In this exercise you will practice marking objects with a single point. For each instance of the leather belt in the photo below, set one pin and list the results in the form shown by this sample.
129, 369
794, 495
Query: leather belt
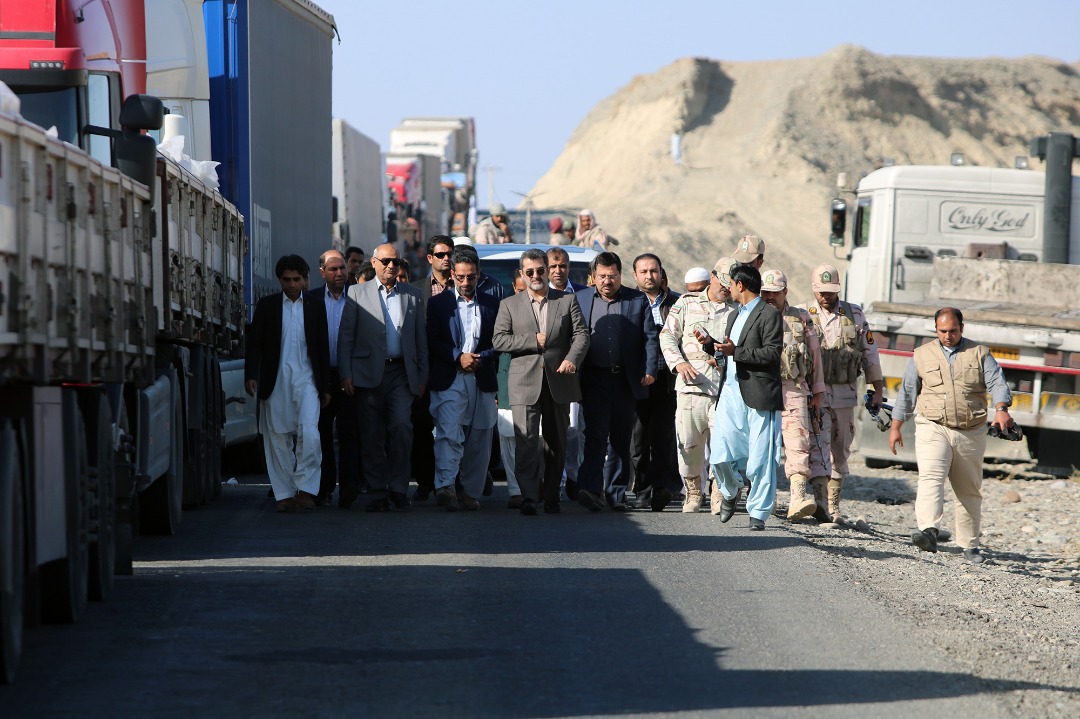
394, 360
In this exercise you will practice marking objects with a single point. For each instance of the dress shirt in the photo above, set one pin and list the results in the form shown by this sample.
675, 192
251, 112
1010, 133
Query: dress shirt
334, 308
468, 314
436, 288
539, 308
993, 378
604, 331
654, 305
393, 317
736, 332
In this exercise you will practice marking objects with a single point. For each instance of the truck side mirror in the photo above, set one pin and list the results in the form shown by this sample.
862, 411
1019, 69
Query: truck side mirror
837, 222
136, 157
142, 112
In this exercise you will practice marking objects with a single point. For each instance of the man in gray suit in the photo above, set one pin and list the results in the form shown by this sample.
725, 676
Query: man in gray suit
746, 431
543, 331
383, 358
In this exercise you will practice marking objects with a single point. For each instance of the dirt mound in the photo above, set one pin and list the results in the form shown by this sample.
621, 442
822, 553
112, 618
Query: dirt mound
762, 143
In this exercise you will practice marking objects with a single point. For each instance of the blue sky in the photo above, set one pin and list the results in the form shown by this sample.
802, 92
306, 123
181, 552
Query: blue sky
529, 73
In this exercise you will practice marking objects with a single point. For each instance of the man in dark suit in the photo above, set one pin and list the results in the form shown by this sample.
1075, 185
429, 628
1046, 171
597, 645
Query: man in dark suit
383, 359
463, 383
432, 284
747, 428
338, 417
620, 366
654, 475
547, 338
286, 365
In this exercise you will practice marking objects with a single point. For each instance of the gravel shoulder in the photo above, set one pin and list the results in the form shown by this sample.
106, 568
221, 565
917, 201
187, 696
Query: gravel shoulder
1016, 618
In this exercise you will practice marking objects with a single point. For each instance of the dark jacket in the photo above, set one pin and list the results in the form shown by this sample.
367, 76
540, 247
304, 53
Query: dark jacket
639, 350
665, 380
445, 341
757, 357
263, 343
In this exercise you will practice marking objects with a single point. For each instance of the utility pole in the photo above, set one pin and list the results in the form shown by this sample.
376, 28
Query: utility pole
491, 170
528, 213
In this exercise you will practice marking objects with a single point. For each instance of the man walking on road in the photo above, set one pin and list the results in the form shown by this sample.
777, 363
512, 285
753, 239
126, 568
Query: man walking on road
697, 379
287, 368
460, 325
654, 466
547, 339
559, 279
847, 349
800, 370
619, 367
383, 359
338, 417
746, 431
946, 383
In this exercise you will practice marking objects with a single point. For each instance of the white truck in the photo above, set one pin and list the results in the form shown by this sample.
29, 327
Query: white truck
987, 241
453, 139
359, 190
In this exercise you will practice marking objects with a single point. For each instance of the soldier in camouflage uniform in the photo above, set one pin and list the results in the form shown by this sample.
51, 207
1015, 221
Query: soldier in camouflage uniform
802, 375
697, 384
847, 350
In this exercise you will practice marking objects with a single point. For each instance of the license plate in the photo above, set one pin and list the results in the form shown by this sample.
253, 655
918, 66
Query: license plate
1005, 353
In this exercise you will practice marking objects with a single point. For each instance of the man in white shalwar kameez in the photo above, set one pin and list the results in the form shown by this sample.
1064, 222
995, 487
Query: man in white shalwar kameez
463, 383
747, 428
287, 367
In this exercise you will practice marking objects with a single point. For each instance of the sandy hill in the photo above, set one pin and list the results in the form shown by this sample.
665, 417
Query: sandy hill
762, 143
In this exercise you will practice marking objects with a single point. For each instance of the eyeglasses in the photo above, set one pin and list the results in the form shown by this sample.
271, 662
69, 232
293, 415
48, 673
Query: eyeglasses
440, 255
391, 261
538, 271
465, 278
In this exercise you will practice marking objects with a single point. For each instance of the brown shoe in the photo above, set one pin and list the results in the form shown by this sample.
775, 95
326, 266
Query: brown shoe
305, 501
286, 505
514, 502
470, 504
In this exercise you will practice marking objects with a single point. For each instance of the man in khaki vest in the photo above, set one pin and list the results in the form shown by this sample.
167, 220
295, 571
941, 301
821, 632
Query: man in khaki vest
946, 383
847, 350
802, 377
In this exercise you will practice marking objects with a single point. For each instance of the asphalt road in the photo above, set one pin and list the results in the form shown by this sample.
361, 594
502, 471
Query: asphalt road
247, 613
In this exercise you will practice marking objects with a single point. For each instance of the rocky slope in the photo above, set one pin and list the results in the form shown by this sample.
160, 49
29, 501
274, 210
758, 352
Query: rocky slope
762, 144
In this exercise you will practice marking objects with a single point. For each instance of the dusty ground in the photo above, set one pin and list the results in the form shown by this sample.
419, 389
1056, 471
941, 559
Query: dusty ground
1016, 618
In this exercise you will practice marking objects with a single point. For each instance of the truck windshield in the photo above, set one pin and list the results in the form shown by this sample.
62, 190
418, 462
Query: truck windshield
862, 223
49, 108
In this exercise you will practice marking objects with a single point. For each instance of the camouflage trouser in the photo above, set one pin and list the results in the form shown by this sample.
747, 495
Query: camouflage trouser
820, 443
795, 427
842, 435
693, 424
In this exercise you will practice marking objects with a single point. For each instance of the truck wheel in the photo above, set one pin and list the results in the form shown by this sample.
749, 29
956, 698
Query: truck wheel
64, 581
160, 506
101, 459
12, 553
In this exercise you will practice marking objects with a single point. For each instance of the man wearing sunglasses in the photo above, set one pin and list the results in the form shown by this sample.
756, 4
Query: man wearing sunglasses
383, 360
546, 336
439, 248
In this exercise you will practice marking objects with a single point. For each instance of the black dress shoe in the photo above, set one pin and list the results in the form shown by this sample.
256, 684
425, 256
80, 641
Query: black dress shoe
528, 507
660, 499
400, 500
925, 540
552, 507
727, 509
757, 525
974, 556
421, 494
378, 505
589, 501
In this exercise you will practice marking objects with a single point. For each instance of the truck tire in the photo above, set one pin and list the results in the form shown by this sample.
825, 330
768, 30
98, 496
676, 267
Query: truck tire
161, 504
64, 581
101, 460
12, 552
